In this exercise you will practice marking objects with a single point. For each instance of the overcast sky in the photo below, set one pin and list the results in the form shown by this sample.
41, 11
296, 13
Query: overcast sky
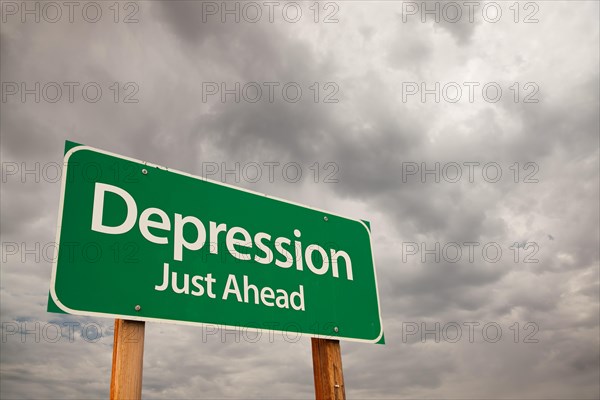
386, 92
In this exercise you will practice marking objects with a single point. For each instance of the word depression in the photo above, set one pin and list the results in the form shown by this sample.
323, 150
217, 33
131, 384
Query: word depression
237, 240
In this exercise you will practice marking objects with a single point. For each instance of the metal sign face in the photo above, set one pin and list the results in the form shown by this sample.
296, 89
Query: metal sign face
142, 242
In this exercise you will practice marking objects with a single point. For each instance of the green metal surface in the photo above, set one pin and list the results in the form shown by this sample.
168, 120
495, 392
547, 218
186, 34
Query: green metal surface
105, 274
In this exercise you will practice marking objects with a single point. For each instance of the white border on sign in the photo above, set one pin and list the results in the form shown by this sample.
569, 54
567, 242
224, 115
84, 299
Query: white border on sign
179, 322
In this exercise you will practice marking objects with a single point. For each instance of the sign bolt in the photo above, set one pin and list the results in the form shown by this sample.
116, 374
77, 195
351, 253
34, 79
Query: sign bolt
138, 307
145, 171
325, 219
336, 329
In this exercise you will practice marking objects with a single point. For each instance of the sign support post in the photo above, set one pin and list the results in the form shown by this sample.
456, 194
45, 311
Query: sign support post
128, 360
327, 368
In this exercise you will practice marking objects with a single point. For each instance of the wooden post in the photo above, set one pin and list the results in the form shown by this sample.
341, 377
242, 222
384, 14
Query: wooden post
327, 368
128, 360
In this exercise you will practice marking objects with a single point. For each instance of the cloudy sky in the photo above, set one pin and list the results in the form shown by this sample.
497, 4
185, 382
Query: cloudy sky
479, 127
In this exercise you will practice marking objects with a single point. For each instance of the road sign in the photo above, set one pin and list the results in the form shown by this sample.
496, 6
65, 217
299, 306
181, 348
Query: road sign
142, 242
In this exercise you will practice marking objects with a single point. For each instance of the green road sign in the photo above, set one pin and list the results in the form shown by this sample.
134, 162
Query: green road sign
143, 242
